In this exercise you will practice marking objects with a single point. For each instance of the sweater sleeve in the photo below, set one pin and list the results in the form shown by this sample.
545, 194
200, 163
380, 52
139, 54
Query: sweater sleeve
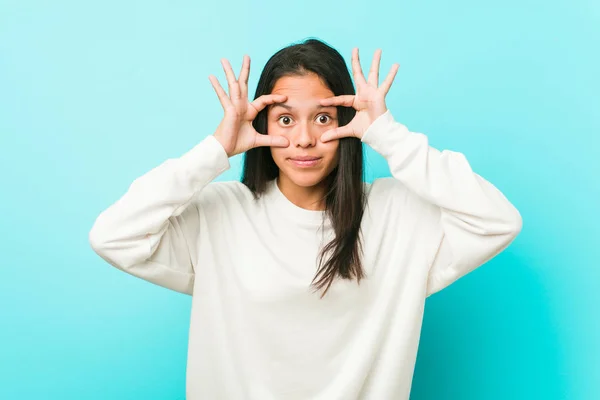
475, 219
152, 231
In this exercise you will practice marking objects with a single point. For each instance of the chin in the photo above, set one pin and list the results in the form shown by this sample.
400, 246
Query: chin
306, 182
305, 179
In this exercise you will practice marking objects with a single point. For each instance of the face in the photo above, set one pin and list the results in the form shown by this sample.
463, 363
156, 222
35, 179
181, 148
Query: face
302, 120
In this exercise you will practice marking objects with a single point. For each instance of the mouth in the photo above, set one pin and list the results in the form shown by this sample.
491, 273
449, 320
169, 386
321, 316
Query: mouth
305, 161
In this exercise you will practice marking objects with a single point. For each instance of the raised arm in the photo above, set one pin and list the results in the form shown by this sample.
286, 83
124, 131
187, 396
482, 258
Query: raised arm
477, 220
153, 230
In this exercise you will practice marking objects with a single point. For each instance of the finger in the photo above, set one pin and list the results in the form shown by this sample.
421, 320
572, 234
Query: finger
374, 71
359, 78
234, 89
387, 83
342, 100
263, 101
225, 102
338, 133
244, 73
271, 140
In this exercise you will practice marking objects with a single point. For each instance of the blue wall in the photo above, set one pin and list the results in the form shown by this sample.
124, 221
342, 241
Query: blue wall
93, 95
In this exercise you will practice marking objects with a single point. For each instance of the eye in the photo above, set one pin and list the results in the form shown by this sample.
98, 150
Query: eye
285, 120
324, 118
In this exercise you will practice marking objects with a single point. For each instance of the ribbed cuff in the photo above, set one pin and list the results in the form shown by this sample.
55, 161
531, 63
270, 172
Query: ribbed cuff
384, 133
205, 161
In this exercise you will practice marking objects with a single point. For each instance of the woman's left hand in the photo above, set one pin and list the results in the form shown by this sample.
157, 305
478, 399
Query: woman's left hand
369, 101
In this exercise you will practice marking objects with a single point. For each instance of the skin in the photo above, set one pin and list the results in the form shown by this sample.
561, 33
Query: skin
304, 132
303, 120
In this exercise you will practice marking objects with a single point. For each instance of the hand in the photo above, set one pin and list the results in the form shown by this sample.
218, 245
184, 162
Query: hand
369, 101
235, 132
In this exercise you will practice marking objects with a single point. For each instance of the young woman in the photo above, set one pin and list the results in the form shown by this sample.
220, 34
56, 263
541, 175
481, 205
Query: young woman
307, 282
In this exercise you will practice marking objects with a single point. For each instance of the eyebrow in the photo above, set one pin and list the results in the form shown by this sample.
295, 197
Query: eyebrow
288, 107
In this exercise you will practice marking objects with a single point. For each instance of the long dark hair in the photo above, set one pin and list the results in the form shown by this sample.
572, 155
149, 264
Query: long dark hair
345, 198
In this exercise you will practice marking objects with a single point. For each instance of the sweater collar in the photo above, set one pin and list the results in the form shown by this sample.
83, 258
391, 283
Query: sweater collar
289, 209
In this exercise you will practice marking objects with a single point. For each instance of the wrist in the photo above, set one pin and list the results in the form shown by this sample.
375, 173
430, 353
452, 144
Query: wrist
223, 144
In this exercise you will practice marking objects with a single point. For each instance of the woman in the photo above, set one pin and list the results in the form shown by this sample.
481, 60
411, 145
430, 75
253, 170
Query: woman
307, 283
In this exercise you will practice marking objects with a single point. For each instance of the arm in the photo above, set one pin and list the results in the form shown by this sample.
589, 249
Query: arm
476, 219
152, 231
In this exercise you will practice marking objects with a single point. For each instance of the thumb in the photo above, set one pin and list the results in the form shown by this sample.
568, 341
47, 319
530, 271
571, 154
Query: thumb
270, 140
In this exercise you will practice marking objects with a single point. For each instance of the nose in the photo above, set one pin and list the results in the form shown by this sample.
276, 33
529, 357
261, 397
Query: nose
305, 137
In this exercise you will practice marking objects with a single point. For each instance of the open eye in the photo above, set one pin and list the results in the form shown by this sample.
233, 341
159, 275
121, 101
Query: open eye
285, 120
324, 119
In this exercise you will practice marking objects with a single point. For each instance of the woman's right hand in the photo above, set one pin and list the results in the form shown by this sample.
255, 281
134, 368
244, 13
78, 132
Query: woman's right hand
235, 132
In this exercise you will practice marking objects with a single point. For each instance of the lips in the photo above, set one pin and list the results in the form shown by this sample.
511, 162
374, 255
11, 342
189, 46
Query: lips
305, 161
304, 158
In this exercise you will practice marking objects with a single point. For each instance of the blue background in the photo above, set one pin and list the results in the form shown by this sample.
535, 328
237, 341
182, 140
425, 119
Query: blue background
94, 94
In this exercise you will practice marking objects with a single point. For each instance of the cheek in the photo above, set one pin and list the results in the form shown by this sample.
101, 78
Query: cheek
335, 157
278, 155
273, 128
331, 148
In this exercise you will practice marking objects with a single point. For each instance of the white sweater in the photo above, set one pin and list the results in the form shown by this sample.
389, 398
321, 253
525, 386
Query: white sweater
257, 330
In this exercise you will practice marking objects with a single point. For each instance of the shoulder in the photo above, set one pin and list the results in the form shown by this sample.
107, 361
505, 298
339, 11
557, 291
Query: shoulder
224, 194
390, 193
230, 188
385, 188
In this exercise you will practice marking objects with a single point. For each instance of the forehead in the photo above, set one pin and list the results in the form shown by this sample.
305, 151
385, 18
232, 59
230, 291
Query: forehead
300, 87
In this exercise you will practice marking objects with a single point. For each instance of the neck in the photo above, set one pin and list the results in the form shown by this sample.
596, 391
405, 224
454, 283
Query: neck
309, 198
